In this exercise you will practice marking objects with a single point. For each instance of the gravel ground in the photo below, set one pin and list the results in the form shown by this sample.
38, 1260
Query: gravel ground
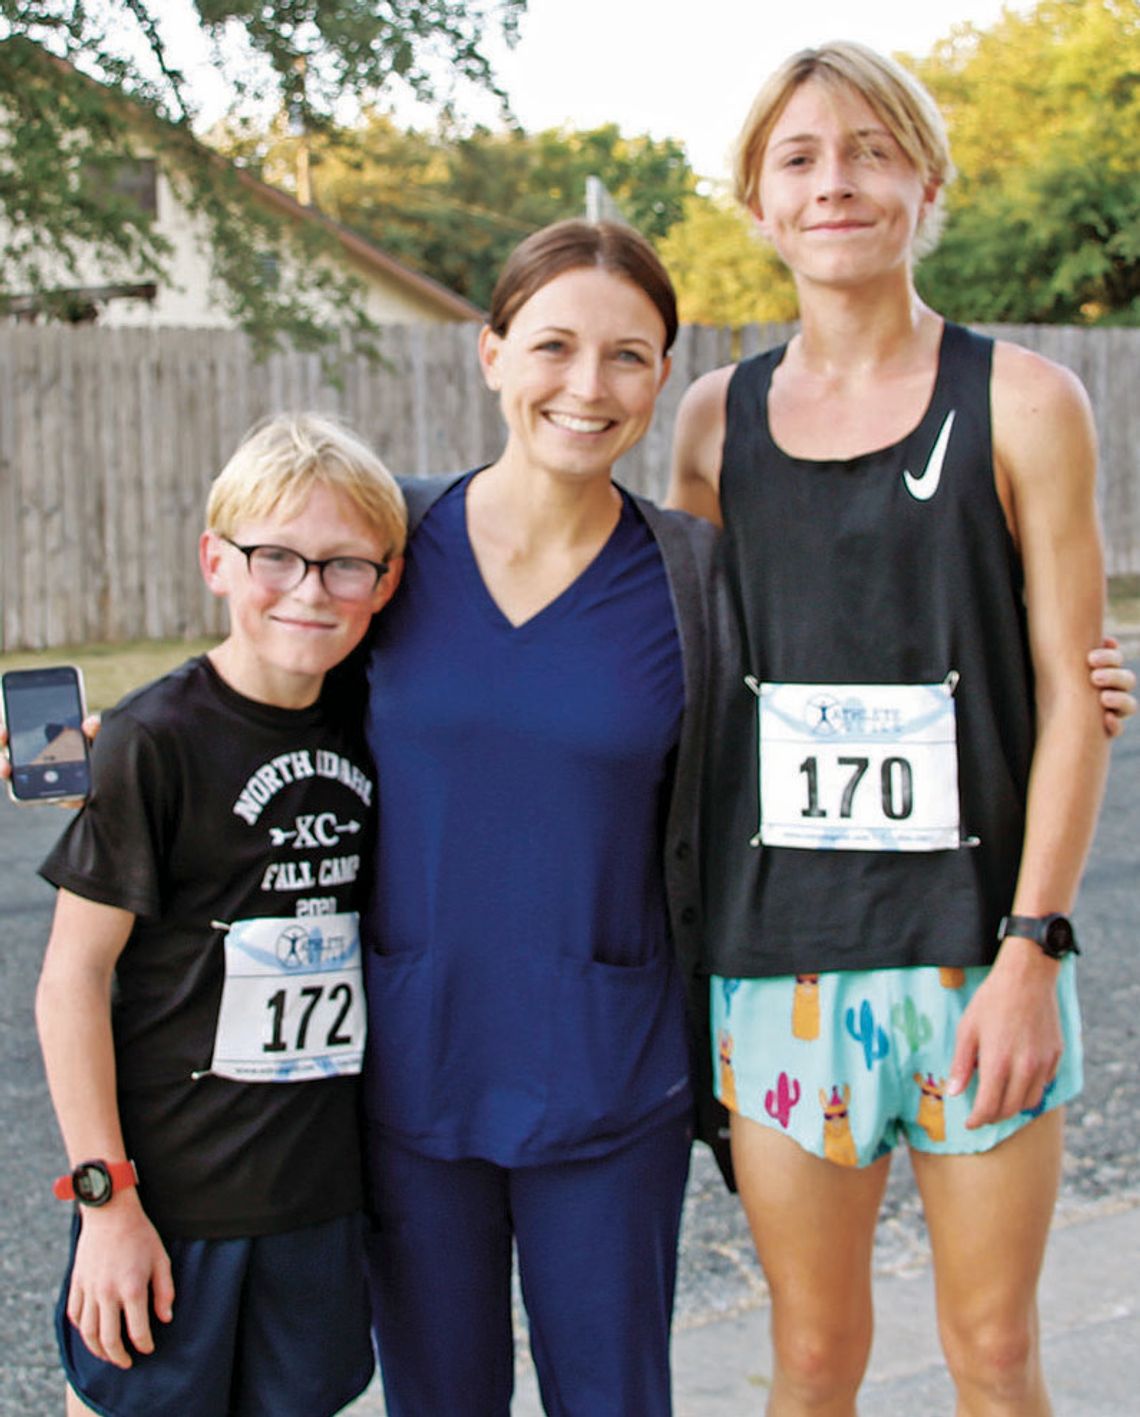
718, 1275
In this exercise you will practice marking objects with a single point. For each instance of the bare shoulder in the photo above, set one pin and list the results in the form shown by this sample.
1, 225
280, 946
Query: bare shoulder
708, 392
698, 445
1029, 388
1042, 418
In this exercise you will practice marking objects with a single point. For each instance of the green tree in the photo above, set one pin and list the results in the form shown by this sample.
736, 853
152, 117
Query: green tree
724, 270
75, 100
455, 204
1044, 117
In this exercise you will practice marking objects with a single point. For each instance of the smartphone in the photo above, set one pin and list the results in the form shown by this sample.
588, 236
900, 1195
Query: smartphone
43, 713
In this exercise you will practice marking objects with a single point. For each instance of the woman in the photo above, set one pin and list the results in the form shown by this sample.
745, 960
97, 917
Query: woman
912, 583
536, 702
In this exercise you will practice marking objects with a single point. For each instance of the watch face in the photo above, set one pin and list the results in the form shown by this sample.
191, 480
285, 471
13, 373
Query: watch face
1059, 936
92, 1183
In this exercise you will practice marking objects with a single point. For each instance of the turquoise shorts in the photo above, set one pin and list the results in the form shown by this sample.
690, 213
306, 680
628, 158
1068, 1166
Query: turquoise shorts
850, 1063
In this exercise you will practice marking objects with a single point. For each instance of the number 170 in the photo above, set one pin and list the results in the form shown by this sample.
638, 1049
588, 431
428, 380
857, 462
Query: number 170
896, 787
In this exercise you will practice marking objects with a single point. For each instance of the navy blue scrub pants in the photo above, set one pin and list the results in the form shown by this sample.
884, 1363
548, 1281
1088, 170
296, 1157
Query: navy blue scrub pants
597, 1248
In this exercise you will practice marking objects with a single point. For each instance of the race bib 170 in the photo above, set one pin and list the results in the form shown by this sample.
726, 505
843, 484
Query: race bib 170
293, 1001
858, 767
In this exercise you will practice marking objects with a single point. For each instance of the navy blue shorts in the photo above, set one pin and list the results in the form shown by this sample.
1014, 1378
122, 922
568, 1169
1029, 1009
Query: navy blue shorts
275, 1326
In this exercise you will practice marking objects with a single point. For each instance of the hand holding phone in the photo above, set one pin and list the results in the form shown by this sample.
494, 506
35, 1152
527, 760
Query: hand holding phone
43, 715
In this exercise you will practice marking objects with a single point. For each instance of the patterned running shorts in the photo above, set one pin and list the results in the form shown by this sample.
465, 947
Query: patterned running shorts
850, 1063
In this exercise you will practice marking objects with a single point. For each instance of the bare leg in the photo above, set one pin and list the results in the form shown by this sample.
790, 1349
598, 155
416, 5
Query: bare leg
988, 1217
814, 1225
75, 1407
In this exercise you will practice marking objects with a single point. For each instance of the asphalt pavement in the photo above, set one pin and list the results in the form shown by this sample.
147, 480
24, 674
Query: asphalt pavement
1090, 1295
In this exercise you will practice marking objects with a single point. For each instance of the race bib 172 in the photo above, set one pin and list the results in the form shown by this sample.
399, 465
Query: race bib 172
293, 1001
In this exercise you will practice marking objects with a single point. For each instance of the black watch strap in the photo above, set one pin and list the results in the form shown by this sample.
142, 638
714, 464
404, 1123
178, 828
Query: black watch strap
1053, 934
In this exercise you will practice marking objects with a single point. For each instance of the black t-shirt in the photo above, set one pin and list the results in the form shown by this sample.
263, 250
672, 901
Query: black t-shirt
207, 807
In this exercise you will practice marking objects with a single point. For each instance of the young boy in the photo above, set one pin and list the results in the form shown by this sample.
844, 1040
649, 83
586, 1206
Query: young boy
200, 1006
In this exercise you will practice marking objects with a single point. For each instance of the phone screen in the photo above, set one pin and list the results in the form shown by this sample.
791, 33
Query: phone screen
43, 712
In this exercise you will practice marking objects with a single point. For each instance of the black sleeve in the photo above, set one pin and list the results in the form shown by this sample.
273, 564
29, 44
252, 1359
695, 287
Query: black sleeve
113, 850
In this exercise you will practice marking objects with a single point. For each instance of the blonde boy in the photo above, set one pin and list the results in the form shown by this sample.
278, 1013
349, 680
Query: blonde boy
200, 1007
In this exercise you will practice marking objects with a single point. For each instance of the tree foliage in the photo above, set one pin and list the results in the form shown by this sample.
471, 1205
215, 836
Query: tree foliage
81, 86
724, 271
1044, 117
454, 205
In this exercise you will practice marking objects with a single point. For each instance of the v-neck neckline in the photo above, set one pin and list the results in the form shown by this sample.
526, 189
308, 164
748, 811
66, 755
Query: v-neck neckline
558, 604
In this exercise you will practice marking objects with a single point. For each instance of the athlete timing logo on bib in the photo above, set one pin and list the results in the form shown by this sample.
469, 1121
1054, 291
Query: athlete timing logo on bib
858, 767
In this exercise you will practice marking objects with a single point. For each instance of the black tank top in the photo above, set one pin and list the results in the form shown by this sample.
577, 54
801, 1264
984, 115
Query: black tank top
892, 568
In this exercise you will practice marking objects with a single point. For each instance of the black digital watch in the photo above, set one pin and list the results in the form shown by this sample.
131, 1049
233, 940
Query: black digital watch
1053, 934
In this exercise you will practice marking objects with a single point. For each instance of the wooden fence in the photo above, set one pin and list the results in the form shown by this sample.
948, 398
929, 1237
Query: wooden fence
109, 440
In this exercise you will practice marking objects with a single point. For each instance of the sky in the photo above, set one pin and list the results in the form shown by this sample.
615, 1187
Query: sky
690, 70
684, 69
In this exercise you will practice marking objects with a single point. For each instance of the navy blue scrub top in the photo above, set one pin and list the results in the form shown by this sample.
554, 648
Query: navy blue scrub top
524, 1004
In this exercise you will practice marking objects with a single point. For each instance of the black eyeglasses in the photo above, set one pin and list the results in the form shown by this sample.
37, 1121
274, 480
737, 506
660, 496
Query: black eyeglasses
280, 569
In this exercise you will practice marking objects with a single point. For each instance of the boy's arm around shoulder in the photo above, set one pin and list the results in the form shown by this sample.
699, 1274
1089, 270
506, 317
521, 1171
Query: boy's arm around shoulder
120, 1261
698, 446
1045, 460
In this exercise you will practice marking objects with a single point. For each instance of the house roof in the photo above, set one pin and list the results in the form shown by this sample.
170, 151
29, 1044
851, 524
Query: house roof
364, 251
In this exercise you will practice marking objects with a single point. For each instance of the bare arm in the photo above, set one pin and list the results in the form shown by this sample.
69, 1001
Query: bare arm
698, 445
120, 1261
1045, 452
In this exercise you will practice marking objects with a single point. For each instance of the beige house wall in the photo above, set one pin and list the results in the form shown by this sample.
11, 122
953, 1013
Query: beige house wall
190, 298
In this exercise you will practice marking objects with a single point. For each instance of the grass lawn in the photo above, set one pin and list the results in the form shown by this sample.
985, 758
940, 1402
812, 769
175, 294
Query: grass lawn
110, 671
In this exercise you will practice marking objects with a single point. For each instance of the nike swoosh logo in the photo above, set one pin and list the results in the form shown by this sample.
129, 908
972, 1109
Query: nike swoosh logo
924, 487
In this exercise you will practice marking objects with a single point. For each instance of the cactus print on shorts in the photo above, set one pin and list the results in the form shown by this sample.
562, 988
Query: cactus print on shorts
850, 1063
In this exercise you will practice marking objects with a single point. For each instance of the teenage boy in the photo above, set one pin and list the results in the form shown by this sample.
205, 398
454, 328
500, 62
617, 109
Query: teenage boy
914, 568
200, 1006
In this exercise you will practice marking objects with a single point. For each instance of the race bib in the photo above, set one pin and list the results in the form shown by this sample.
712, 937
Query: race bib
858, 767
293, 1001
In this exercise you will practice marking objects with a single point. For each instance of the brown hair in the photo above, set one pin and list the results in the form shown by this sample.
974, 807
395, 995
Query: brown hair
570, 245
898, 99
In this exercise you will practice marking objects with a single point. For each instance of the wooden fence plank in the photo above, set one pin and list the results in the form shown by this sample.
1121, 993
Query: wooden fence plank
109, 440
11, 554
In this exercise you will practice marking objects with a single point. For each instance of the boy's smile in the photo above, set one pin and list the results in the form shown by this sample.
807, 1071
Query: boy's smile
838, 197
282, 642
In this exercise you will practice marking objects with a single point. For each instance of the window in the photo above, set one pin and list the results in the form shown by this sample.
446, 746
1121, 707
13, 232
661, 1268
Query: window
135, 179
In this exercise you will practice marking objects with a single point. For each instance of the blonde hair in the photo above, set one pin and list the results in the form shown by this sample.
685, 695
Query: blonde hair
280, 461
900, 102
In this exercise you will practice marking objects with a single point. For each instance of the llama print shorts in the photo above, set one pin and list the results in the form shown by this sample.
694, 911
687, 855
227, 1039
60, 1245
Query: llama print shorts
850, 1063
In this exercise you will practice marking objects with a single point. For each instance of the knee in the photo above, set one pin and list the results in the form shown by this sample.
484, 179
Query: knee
998, 1358
822, 1368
